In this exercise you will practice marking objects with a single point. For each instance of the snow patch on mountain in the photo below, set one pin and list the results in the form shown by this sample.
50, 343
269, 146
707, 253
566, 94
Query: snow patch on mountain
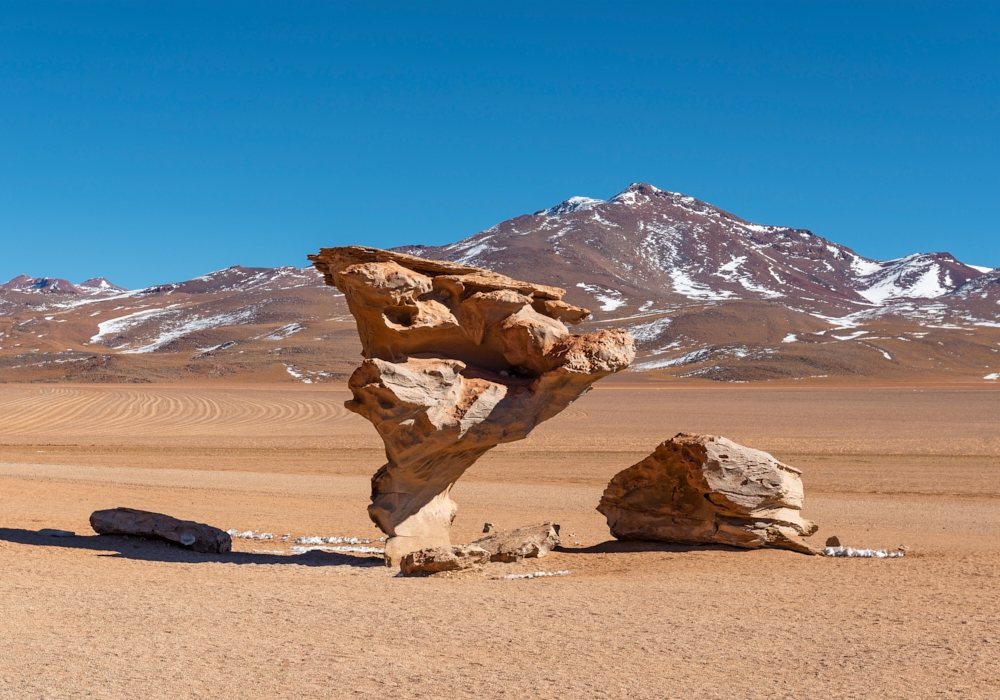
471, 248
172, 323
689, 358
181, 327
913, 277
573, 204
120, 324
685, 285
283, 332
610, 299
650, 330
861, 266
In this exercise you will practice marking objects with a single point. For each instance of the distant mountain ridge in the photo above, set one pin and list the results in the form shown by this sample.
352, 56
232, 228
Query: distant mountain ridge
55, 285
705, 293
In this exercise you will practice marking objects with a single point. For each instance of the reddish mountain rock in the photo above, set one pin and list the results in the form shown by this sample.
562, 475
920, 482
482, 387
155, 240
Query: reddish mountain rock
704, 293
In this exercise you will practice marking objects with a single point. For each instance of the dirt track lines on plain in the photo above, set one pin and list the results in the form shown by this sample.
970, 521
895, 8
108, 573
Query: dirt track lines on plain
157, 412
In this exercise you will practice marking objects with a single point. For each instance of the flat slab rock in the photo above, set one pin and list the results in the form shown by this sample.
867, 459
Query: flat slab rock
523, 543
455, 557
701, 489
140, 523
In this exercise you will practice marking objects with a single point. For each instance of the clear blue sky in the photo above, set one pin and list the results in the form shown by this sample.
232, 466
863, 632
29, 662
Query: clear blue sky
151, 142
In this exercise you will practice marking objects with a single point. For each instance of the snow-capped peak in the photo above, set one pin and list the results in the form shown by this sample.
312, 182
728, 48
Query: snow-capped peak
98, 285
917, 276
571, 205
637, 191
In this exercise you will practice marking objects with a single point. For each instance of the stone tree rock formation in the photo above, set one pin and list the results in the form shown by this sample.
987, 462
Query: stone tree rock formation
699, 489
458, 360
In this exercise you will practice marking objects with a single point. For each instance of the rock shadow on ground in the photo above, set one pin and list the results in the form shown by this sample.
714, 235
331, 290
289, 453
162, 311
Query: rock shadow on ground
141, 549
632, 546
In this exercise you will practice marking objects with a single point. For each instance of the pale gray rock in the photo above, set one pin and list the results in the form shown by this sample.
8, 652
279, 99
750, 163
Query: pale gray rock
455, 557
524, 543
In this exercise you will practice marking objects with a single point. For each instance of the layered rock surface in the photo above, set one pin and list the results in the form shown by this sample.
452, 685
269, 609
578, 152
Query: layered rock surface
434, 560
524, 543
141, 523
699, 489
458, 360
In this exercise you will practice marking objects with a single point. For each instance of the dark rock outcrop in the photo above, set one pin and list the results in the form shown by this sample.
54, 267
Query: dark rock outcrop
141, 523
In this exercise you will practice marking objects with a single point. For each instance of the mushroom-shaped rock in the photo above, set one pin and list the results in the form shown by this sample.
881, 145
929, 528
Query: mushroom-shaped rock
699, 489
457, 360
141, 523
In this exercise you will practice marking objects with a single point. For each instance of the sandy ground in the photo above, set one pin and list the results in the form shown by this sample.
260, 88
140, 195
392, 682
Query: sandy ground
104, 617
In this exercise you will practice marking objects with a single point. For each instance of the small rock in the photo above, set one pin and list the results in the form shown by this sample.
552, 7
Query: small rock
127, 521
488, 527
527, 542
455, 557
833, 541
56, 533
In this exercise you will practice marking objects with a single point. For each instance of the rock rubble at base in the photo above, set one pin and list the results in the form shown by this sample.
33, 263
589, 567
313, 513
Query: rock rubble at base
456, 557
701, 489
524, 543
140, 523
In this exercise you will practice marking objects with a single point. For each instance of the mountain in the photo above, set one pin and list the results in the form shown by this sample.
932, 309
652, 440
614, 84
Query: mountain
647, 245
40, 285
99, 285
706, 294
709, 294
252, 324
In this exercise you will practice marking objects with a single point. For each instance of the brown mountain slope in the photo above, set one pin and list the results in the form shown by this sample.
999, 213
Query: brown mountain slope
705, 293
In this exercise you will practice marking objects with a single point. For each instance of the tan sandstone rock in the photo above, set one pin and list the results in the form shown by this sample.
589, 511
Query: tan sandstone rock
455, 557
126, 521
523, 543
458, 360
699, 489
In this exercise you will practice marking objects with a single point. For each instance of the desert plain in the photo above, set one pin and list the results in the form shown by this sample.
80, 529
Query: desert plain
883, 465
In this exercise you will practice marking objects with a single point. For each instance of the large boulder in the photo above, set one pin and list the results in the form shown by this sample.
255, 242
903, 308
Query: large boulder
457, 360
699, 489
524, 543
141, 523
455, 557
